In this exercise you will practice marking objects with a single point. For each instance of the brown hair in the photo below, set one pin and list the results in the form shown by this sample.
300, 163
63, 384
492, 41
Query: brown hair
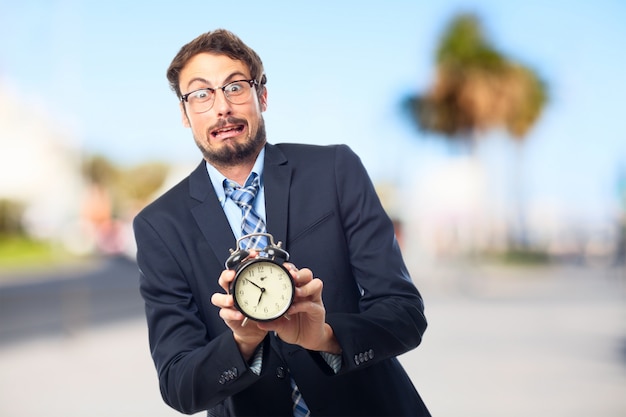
219, 42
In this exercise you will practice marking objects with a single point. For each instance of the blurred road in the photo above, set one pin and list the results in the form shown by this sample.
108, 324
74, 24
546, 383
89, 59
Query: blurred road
69, 300
523, 342
501, 342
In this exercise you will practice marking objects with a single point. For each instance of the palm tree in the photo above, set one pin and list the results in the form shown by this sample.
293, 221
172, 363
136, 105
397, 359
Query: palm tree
476, 89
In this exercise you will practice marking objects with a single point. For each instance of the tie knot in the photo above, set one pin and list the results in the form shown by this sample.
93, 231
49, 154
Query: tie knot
251, 222
243, 196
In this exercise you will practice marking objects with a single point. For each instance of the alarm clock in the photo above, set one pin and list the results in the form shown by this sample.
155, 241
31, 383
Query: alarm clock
263, 289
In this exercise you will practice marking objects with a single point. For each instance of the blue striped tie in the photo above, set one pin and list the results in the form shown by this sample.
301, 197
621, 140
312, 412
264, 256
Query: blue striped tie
300, 409
251, 222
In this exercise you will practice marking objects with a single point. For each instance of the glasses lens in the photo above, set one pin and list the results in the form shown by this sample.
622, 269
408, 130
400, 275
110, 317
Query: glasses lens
201, 100
238, 92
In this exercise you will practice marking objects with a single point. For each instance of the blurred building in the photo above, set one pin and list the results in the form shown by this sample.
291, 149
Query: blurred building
453, 210
39, 167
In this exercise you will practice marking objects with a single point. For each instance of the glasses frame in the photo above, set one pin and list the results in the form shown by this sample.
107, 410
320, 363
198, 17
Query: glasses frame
185, 97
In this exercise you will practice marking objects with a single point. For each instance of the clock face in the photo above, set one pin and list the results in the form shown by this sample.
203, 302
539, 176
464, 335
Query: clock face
263, 290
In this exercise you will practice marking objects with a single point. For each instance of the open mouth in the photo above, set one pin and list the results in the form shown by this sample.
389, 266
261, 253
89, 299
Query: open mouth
227, 131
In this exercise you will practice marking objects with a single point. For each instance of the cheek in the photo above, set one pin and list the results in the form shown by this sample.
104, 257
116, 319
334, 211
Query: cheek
254, 119
198, 127
183, 115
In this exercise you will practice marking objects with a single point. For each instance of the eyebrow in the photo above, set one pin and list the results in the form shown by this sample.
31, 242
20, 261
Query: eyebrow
226, 80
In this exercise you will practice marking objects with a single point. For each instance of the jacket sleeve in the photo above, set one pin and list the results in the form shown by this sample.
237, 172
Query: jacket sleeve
196, 370
390, 320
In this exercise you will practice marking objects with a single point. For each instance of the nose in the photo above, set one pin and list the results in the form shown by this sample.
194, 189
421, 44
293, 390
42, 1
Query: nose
221, 105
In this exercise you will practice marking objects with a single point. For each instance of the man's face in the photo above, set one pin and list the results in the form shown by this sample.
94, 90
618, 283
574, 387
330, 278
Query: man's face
227, 133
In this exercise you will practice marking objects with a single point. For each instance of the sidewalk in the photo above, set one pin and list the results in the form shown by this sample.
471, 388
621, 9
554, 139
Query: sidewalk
516, 343
500, 343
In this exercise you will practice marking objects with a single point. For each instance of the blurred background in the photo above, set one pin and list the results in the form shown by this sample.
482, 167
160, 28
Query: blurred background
492, 130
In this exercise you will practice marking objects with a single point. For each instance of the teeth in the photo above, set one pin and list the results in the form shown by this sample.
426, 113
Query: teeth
226, 129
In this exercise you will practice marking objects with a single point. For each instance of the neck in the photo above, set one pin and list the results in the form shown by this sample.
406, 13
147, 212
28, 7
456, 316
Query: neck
238, 173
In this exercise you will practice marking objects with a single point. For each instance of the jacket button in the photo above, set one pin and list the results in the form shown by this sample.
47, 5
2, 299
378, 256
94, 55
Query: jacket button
280, 372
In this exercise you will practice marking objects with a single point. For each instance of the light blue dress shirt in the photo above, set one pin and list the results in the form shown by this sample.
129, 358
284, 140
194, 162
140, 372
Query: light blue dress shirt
231, 209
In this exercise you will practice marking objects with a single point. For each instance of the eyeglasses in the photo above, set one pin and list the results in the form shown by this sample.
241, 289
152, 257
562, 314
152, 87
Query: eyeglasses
236, 92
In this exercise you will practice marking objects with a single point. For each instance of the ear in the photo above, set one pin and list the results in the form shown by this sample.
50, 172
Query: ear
263, 99
183, 114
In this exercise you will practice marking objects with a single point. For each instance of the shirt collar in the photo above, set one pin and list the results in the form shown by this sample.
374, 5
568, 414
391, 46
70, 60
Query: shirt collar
217, 178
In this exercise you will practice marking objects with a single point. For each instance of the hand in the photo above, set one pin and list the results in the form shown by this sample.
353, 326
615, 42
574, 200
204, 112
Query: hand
305, 324
247, 337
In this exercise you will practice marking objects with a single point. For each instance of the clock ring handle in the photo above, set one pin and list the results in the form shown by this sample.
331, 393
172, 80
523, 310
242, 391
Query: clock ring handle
272, 251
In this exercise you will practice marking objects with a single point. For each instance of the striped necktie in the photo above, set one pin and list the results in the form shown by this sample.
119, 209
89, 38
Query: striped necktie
300, 409
251, 222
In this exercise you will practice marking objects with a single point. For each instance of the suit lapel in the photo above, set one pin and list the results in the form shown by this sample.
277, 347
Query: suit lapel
209, 214
277, 180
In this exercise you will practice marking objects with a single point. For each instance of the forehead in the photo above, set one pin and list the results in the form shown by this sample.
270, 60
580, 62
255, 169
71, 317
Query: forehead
212, 69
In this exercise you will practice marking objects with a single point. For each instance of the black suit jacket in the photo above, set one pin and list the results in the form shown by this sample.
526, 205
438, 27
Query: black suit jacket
322, 205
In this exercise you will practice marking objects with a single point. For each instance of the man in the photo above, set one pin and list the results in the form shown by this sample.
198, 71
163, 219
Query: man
334, 351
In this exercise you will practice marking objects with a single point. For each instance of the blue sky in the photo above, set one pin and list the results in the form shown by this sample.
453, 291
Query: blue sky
337, 72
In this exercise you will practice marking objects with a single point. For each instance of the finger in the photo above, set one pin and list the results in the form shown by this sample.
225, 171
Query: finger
222, 300
312, 290
290, 267
226, 277
293, 270
303, 277
230, 316
307, 306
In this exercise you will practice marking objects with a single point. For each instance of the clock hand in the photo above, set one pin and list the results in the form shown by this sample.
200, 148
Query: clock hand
253, 283
260, 296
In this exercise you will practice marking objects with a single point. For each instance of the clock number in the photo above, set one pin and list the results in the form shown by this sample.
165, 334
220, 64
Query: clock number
262, 291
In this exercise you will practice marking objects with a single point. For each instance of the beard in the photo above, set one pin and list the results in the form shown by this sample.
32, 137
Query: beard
234, 153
